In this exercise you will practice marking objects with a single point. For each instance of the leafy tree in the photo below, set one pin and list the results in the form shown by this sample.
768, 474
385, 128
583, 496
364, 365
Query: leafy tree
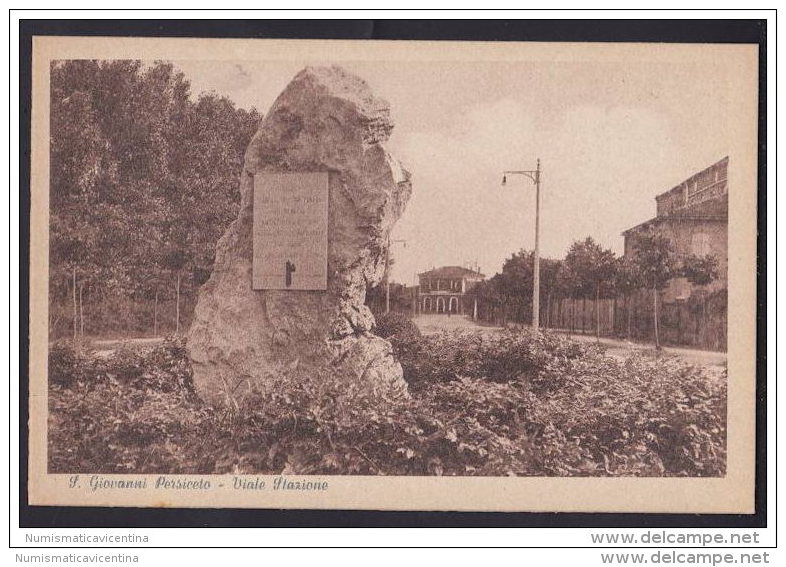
657, 263
490, 299
701, 271
204, 197
627, 280
400, 298
549, 271
143, 179
568, 285
516, 283
508, 294
591, 271
81, 171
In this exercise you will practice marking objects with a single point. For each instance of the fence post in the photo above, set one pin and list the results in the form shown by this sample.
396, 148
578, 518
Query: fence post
73, 295
613, 315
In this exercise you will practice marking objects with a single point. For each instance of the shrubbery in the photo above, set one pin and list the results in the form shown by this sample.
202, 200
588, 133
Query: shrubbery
481, 405
396, 326
503, 357
164, 368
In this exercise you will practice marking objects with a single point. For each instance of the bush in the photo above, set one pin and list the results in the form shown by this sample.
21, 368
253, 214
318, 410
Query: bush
165, 368
396, 326
307, 427
115, 428
70, 364
638, 417
500, 357
572, 412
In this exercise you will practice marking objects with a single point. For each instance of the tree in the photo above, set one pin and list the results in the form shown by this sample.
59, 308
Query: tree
81, 170
701, 271
657, 263
143, 179
400, 298
489, 298
591, 268
515, 283
549, 270
568, 285
627, 280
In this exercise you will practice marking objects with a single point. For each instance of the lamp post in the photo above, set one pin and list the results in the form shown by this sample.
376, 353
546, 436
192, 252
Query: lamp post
534, 176
387, 273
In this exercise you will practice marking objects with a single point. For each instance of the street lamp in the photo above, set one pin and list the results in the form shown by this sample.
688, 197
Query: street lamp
534, 176
387, 272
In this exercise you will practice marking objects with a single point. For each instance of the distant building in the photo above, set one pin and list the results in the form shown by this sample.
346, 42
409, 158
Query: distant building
694, 216
442, 290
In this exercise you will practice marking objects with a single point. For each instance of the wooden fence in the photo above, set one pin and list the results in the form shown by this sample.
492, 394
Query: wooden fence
699, 322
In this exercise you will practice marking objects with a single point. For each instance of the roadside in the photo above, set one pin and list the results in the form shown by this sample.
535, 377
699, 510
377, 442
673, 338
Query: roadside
621, 349
617, 347
106, 347
437, 323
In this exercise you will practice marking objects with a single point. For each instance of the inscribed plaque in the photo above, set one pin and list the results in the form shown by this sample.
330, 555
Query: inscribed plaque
290, 231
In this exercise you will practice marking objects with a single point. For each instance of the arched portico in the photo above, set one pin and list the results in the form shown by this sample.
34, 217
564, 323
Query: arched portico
443, 290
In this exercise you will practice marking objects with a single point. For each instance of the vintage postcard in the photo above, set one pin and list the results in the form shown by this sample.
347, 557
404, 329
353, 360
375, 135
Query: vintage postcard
393, 275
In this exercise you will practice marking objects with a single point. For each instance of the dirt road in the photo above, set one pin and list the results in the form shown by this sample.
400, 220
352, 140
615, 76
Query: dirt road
431, 324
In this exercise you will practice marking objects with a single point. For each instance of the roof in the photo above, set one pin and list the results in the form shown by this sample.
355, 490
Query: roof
452, 272
715, 208
723, 164
673, 217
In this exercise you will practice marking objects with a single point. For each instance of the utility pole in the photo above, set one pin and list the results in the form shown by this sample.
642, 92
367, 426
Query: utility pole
534, 176
387, 272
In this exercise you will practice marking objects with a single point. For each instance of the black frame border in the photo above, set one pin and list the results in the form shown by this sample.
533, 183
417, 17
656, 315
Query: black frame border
572, 30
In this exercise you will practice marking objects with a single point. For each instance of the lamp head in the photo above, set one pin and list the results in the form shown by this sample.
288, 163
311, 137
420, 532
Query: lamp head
504, 180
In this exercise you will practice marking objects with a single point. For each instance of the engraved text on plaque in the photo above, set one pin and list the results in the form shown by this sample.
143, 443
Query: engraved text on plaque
290, 231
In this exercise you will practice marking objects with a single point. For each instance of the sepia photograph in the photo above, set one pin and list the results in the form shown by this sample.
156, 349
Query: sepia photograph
315, 274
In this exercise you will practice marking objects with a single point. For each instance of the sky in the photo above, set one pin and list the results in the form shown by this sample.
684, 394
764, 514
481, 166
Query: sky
610, 137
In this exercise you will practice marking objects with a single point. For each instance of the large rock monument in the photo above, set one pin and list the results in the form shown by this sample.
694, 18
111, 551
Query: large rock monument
289, 281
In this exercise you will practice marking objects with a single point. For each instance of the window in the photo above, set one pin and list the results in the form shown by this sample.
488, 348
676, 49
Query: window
700, 244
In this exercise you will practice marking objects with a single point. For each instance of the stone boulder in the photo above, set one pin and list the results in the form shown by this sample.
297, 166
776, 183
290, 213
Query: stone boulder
241, 339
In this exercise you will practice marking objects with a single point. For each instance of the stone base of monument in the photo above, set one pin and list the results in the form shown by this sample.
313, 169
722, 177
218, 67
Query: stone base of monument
319, 196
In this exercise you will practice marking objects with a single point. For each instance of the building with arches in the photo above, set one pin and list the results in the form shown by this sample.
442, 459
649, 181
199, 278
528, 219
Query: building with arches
442, 290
